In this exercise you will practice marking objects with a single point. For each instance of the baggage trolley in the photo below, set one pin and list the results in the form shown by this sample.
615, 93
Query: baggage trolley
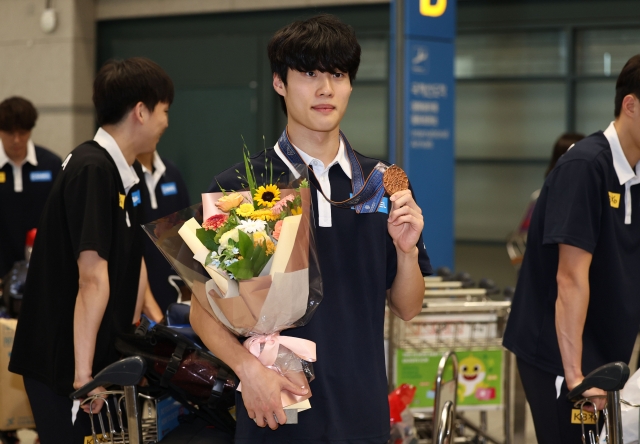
126, 373
610, 378
472, 326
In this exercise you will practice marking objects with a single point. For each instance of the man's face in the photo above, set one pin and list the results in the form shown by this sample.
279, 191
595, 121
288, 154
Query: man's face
155, 125
315, 100
15, 144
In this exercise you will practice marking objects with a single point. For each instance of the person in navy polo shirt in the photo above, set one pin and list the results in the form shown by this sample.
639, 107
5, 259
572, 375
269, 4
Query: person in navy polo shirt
164, 192
27, 172
87, 279
366, 259
576, 305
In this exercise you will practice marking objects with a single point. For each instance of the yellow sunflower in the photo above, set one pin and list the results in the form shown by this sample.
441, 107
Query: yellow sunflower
245, 210
267, 196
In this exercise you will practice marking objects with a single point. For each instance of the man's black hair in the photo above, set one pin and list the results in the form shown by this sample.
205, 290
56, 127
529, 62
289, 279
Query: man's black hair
321, 43
17, 113
628, 82
121, 84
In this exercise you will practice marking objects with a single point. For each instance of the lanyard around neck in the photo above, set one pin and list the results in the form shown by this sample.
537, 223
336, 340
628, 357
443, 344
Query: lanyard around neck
367, 193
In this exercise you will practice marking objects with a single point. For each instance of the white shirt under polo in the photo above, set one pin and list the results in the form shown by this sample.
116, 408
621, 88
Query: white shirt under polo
17, 167
152, 178
626, 175
322, 174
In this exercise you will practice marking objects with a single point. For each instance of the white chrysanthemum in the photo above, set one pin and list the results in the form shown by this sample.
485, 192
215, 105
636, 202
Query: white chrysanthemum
252, 226
231, 234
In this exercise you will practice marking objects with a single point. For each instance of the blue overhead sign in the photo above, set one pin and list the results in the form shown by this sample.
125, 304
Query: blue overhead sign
428, 98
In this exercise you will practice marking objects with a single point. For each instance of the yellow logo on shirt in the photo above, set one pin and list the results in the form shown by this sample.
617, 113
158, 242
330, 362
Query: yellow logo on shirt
122, 197
3, 177
614, 199
587, 417
426, 8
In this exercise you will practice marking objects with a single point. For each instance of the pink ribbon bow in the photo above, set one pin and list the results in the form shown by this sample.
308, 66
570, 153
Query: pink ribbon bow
302, 348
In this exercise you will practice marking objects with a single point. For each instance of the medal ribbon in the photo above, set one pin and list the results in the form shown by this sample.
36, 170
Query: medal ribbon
367, 194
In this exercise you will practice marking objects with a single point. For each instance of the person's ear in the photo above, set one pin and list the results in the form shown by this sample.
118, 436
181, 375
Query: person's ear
630, 105
278, 84
139, 112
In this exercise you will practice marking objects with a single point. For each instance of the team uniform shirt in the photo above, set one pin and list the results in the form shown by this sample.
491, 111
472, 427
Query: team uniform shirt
94, 205
590, 201
163, 192
358, 263
24, 189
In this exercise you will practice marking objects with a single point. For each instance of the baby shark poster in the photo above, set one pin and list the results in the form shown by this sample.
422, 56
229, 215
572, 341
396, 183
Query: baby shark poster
479, 377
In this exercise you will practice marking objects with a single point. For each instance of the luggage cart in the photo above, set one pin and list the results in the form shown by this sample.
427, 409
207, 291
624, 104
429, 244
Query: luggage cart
126, 373
472, 326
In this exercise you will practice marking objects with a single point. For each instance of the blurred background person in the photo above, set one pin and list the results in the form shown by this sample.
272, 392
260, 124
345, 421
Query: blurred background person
164, 193
27, 173
517, 241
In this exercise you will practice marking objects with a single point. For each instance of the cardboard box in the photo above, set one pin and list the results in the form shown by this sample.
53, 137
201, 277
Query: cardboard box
15, 411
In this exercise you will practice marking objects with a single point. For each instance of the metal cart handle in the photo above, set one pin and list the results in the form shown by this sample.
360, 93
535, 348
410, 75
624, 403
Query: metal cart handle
126, 372
609, 377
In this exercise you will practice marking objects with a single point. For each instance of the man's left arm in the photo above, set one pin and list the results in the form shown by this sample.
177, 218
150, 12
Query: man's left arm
405, 226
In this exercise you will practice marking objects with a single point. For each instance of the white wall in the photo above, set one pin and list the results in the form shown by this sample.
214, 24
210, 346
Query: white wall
54, 71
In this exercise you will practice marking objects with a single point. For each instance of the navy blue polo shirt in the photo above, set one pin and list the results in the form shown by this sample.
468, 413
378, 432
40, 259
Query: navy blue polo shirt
581, 204
88, 209
358, 263
21, 210
171, 195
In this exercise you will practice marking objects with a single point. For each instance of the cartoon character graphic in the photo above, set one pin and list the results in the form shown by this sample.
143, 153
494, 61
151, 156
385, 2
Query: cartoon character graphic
471, 376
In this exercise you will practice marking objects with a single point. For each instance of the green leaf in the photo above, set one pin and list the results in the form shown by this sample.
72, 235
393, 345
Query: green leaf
245, 245
207, 237
259, 259
241, 269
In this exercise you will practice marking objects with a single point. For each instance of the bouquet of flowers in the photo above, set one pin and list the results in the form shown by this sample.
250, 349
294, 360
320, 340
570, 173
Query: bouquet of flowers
249, 258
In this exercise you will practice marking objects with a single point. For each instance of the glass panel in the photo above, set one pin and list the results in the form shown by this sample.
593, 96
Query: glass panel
509, 120
510, 54
365, 122
605, 51
594, 105
491, 199
374, 59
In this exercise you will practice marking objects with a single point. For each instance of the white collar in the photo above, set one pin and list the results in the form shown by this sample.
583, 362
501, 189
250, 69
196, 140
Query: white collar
127, 173
159, 167
620, 163
31, 156
341, 158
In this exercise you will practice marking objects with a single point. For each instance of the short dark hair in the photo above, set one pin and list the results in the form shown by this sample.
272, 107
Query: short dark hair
562, 145
321, 43
121, 84
628, 82
17, 113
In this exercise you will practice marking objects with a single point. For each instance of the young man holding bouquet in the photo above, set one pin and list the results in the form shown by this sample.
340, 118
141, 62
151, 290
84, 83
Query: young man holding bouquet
366, 259
86, 272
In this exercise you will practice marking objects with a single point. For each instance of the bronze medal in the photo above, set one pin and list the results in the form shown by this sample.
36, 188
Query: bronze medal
394, 180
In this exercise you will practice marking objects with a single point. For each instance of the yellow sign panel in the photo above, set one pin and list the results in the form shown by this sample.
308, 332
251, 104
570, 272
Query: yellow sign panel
3, 177
614, 199
435, 10
587, 417
101, 439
